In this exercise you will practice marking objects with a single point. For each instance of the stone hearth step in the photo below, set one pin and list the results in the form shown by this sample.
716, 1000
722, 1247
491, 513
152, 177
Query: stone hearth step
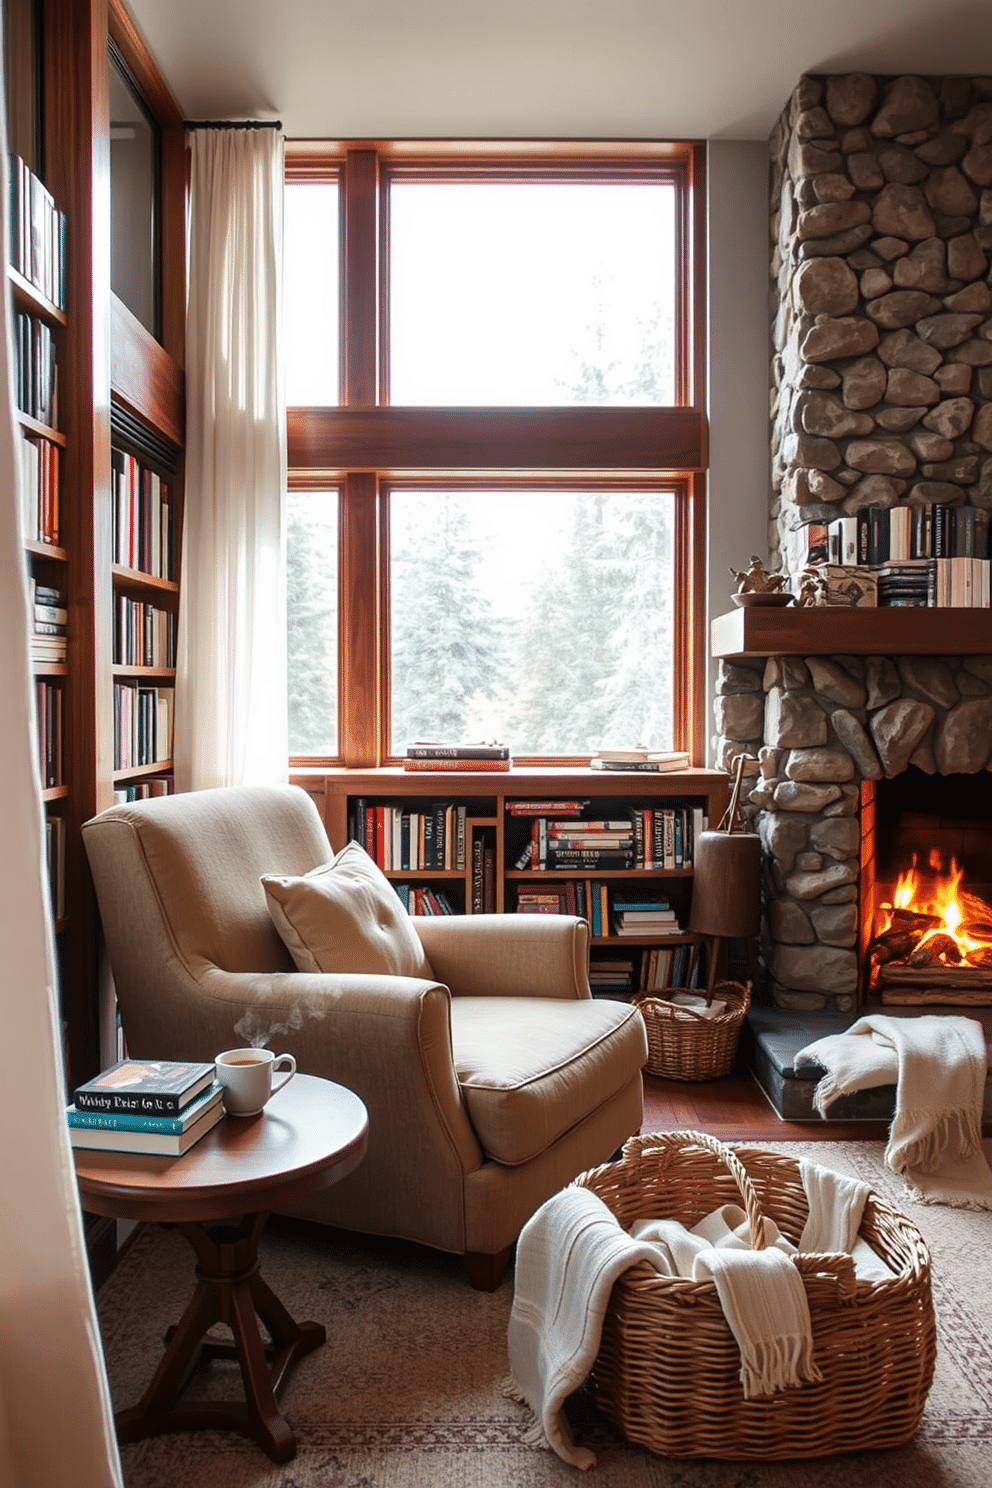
775, 1036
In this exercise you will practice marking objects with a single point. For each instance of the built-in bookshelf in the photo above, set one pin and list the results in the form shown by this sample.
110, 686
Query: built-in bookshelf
608, 846
36, 251
145, 527
88, 381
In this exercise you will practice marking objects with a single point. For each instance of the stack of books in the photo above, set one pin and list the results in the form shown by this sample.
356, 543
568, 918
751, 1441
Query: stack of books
50, 618
639, 757
609, 977
147, 1106
644, 917
435, 754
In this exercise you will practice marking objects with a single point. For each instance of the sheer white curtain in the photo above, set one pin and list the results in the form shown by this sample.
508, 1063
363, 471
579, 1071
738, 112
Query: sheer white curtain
231, 712
55, 1416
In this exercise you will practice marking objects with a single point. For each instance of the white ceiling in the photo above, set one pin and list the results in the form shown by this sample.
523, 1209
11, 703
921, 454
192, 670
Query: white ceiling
538, 69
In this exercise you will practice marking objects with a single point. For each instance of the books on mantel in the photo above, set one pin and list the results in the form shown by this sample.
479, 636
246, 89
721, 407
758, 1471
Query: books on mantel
122, 1131
144, 1087
922, 557
640, 758
436, 754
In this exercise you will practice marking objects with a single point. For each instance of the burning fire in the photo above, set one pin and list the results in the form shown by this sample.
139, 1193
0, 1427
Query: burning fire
932, 921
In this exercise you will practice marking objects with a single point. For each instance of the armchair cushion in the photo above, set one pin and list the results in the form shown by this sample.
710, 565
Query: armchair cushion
345, 916
529, 1068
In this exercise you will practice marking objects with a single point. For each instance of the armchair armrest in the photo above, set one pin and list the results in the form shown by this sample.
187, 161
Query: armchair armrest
505, 955
387, 1038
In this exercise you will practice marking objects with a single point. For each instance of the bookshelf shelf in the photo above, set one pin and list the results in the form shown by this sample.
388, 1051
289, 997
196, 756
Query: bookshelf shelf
48, 551
55, 793
145, 673
640, 941
42, 430
143, 772
136, 579
27, 297
539, 875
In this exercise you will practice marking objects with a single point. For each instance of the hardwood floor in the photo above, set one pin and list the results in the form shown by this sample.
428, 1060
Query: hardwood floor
735, 1109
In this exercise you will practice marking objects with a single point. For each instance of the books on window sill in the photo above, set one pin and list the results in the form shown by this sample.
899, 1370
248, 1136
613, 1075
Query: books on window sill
121, 1131
640, 758
430, 754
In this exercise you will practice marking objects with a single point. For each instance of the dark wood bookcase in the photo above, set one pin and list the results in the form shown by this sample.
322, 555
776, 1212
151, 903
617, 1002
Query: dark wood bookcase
116, 384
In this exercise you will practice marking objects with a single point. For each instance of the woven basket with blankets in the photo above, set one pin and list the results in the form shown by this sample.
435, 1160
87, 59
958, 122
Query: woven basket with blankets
728, 1303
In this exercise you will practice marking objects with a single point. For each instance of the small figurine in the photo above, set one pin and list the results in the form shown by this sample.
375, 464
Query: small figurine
812, 589
755, 580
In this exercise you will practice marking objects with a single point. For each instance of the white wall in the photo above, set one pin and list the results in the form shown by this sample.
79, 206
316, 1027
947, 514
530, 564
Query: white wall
737, 185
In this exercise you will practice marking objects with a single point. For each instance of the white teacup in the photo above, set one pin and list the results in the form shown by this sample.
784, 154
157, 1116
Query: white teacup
247, 1078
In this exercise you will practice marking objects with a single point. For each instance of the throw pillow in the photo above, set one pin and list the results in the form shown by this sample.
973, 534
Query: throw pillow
345, 916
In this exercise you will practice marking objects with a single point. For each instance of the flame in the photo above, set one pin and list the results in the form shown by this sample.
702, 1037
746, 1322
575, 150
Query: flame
940, 894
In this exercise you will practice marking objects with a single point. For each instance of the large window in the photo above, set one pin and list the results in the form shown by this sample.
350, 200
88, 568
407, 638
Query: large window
495, 403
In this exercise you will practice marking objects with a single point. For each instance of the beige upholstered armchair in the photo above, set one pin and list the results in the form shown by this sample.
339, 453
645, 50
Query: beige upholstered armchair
491, 1076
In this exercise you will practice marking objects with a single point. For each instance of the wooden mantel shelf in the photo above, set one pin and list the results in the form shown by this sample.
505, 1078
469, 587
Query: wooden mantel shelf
825, 631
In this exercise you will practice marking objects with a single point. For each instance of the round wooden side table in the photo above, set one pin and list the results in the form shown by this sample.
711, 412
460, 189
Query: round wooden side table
311, 1134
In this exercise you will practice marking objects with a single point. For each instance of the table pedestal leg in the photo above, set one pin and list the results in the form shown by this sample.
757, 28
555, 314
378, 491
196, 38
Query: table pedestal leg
228, 1290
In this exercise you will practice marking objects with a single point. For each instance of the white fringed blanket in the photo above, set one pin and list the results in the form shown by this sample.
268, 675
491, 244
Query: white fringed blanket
573, 1249
938, 1065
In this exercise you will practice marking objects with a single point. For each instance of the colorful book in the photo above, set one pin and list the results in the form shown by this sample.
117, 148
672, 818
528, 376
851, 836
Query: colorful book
450, 763
154, 1087
125, 1121
425, 749
167, 1143
546, 808
664, 767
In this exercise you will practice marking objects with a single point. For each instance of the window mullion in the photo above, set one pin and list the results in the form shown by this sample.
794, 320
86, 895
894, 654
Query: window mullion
359, 286
360, 623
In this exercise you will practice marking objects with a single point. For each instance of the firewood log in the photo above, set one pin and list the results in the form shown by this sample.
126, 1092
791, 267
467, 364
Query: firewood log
893, 945
931, 953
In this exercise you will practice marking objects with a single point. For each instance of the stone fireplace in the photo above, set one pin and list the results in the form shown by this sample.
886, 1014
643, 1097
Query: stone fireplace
881, 395
822, 730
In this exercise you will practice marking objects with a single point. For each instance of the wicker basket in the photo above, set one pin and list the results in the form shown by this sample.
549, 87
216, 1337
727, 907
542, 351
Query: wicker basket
668, 1368
684, 1045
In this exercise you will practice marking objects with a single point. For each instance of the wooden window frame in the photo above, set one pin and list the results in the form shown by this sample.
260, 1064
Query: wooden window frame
363, 443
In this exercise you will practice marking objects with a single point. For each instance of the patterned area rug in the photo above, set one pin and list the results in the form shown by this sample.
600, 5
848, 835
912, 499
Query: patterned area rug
405, 1394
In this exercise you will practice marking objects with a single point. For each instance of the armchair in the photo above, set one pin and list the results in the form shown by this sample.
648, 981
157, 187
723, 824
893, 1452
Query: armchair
490, 1082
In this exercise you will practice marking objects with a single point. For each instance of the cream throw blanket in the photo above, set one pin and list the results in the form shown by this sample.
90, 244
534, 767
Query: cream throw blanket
938, 1065
572, 1250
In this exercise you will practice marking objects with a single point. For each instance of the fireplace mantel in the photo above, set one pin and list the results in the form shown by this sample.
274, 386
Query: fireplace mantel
820, 630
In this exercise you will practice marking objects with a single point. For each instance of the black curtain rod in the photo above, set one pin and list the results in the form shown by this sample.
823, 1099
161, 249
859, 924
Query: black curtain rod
233, 123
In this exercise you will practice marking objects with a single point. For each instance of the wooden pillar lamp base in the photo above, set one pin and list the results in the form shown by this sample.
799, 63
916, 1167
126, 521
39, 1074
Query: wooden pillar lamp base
726, 890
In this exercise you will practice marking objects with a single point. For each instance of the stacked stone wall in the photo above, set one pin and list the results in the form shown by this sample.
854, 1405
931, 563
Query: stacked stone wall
815, 728
881, 225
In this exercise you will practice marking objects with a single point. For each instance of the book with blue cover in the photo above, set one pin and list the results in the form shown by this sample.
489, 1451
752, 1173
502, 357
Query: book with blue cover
154, 1135
136, 1122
